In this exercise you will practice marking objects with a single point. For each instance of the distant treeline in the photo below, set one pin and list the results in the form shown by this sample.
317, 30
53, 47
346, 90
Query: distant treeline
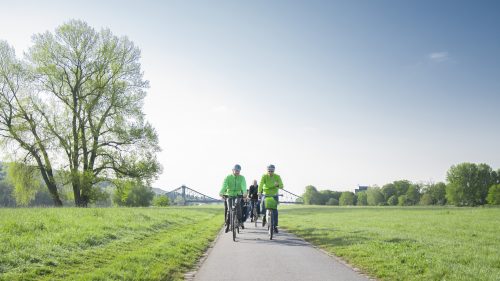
468, 184
22, 186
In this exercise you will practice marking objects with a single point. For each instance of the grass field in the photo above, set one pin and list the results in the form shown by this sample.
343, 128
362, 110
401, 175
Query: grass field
104, 244
392, 243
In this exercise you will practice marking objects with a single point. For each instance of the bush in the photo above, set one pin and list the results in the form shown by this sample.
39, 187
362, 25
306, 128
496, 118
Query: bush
393, 200
132, 194
332, 202
403, 200
426, 199
494, 195
161, 201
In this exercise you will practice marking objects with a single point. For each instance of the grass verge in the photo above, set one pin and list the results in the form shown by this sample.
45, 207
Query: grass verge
104, 244
391, 243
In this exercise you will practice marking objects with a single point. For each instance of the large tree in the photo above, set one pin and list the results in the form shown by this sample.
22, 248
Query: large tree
312, 196
468, 184
435, 193
374, 196
20, 130
88, 99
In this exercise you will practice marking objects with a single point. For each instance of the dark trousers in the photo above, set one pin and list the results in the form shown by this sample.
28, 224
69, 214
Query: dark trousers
228, 204
254, 204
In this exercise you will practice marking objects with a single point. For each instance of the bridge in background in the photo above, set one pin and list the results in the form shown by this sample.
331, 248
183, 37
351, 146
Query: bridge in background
184, 196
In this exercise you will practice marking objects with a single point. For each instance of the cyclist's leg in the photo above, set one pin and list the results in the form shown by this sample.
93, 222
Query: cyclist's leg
263, 209
238, 209
225, 211
254, 209
276, 211
228, 206
250, 210
275, 219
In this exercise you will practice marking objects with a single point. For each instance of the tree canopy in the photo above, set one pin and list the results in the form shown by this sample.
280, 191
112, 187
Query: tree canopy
76, 103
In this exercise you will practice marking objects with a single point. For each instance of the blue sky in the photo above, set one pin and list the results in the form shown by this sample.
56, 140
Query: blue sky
334, 93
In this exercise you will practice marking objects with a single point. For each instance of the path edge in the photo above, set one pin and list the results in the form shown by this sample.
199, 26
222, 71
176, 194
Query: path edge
189, 276
333, 256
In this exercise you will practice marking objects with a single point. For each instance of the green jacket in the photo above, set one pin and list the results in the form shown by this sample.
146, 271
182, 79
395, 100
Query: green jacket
234, 185
268, 183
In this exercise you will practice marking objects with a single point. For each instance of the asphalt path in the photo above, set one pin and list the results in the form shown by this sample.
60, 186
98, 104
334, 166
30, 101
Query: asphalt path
254, 257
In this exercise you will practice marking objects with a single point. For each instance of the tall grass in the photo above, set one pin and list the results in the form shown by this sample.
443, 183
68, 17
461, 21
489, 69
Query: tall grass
104, 244
393, 243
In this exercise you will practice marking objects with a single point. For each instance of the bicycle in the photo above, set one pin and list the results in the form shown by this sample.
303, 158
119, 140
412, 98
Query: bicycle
253, 206
271, 207
234, 225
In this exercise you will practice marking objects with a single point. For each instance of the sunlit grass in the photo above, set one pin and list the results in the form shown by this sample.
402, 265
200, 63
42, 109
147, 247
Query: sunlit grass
392, 243
104, 244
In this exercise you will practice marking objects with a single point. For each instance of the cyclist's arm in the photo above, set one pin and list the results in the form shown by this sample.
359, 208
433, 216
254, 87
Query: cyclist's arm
223, 190
261, 185
243, 186
280, 183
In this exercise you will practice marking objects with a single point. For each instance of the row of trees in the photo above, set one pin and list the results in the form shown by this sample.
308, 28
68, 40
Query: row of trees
73, 105
16, 190
468, 184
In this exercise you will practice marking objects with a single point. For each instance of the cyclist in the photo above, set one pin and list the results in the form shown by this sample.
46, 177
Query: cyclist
234, 185
253, 195
269, 185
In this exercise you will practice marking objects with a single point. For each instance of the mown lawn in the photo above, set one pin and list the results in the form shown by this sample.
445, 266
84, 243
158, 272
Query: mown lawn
391, 243
104, 244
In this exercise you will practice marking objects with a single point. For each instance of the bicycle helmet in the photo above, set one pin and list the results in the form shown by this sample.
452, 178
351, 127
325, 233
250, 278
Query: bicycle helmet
237, 167
270, 168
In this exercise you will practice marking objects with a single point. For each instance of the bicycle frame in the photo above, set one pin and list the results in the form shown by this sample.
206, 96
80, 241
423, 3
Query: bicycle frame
271, 224
255, 214
232, 204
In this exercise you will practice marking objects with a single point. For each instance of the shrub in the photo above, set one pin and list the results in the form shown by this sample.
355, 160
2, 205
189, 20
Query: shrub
393, 200
332, 202
402, 200
161, 201
132, 194
494, 195
426, 199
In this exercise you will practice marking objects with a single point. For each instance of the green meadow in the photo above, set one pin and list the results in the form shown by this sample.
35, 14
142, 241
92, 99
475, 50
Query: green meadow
104, 244
405, 243
387, 243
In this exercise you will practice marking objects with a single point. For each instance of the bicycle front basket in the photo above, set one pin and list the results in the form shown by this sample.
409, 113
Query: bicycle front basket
271, 203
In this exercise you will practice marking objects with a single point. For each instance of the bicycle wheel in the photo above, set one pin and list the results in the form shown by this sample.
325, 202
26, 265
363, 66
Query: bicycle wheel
271, 224
236, 221
255, 215
233, 223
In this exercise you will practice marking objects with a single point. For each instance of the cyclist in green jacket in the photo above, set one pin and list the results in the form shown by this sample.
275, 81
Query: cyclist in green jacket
269, 185
234, 186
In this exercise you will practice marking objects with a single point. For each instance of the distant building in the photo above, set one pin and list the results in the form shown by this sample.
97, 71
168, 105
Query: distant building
360, 188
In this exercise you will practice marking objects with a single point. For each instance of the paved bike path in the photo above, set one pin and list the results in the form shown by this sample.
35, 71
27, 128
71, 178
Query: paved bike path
254, 257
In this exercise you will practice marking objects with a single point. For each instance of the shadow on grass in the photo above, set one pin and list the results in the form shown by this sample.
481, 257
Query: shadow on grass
324, 237
400, 240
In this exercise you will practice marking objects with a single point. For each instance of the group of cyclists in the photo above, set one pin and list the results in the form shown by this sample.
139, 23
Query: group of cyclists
234, 186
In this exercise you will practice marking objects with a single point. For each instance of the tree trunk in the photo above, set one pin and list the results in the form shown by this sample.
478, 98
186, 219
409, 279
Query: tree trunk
55, 195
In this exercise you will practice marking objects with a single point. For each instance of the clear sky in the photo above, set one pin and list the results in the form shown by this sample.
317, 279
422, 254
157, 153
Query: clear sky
334, 93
